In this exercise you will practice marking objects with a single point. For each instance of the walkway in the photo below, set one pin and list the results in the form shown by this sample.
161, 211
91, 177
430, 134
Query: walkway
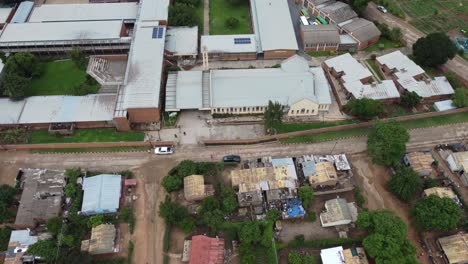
206, 17
411, 35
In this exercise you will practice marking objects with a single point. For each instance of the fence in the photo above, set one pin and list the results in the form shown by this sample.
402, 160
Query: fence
86, 145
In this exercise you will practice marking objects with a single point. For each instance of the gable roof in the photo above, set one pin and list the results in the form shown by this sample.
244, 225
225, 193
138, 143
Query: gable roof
317, 34
338, 11
362, 29
101, 193
206, 250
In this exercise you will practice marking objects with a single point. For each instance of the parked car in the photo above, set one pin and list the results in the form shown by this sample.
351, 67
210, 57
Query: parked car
382, 9
232, 158
163, 150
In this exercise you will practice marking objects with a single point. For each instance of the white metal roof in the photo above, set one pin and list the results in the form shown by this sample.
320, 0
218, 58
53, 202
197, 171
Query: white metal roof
427, 88
377, 91
57, 109
144, 69
84, 12
182, 40
352, 69
4, 13
273, 25
154, 10
226, 43
332, 255
56, 31
189, 94
289, 84
22, 12
444, 105
400, 62
10, 111
23, 237
101, 192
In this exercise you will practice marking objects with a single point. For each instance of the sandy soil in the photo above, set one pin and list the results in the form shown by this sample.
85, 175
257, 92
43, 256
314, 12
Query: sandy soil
372, 179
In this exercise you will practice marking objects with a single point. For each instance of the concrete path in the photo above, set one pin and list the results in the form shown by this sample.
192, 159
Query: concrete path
206, 17
412, 34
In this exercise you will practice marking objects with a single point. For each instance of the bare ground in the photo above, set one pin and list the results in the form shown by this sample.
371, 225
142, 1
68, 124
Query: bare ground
372, 179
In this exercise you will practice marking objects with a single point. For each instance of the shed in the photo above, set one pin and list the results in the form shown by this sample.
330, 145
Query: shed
455, 248
102, 240
206, 250
444, 105
101, 194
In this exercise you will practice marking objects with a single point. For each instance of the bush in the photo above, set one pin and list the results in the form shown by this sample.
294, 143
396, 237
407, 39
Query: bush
364, 108
14, 136
126, 214
306, 194
360, 199
232, 22
130, 252
311, 216
128, 174
166, 238
460, 98
182, 15
79, 58
4, 238
172, 183
15, 86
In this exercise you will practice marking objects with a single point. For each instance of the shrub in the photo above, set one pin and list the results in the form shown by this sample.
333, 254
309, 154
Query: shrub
311, 216
360, 200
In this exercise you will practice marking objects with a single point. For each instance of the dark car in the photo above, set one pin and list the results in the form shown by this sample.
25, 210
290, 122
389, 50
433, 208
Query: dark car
232, 158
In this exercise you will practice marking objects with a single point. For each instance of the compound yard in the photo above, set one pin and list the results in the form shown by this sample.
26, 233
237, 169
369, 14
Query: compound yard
436, 15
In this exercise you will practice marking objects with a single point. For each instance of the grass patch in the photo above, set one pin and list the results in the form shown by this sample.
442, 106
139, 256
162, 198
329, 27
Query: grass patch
319, 53
89, 150
169, 121
59, 78
86, 135
292, 127
375, 69
221, 10
200, 16
382, 45
362, 131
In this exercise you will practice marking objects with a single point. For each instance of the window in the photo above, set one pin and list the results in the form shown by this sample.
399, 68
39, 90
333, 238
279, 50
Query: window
244, 109
158, 32
302, 111
307, 111
313, 111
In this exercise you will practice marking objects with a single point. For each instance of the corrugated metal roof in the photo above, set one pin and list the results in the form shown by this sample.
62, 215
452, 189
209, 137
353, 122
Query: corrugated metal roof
101, 193
273, 25
5, 13
10, 111
377, 91
444, 105
22, 12
144, 68
56, 31
427, 88
84, 12
317, 34
182, 40
58, 109
401, 63
154, 10
362, 29
23, 237
225, 43
338, 11
332, 255
352, 69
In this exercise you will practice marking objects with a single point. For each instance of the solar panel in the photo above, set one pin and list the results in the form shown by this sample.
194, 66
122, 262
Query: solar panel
158, 32
242, 41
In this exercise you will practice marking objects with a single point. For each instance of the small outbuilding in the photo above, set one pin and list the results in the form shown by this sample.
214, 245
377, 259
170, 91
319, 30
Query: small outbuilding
455, 248
101, 194
196, 189
102, 240
421, 162
206, 250
443, 192
338, 212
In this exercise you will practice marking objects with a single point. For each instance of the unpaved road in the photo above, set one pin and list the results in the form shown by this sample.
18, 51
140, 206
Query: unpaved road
149, 169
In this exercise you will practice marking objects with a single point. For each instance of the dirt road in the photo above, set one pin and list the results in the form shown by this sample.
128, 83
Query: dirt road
149, 170
412, 34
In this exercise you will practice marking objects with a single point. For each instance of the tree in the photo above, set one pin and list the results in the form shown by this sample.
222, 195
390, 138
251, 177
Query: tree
405, 184
453, 80
250, 232
78, 58
460, 97
172, 183
23, 64
435, 213
434, 49
4, 238
232, 22
54, 225
364, 108
306, 194
273, 215
185, 168
294, 258
229, 200
7, 194
172, 212
247, 253
360, 5
213, 219
194, 3
15, 86
410, 99
95, 220
387, 143
273, 116
395, 34
386, 242
46, 249
182, 15
267, 236
187, 224
208, 204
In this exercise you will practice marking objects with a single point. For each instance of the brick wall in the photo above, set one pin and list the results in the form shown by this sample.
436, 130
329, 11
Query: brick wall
279, 54
144, 115
86, 145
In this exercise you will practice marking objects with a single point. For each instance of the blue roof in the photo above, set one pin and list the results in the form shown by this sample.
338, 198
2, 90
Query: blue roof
308, 168
295, 208
22, 13
101, 194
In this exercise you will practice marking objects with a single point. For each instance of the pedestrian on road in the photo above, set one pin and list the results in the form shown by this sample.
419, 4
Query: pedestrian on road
185, 133
175, 135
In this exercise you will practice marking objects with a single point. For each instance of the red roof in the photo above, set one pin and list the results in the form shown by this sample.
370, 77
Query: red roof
206, 250
130, 182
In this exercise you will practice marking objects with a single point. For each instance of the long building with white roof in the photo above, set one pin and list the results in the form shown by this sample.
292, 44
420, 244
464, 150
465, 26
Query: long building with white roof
410, 77
230, 47
303, 91
354, 78
84, 12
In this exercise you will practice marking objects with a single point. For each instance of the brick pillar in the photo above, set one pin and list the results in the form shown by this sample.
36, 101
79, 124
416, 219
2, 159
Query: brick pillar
122, 124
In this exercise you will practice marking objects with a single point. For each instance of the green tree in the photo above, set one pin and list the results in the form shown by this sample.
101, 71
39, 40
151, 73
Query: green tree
453, 80
46, 249
247, 253
4, 238
194, 3
213, 219
364, 108
78, 58
172, 212
182, 15
7, 194
54, 225
208, 204
387, 143
360, 5
185, 168
273, 215
187, 224
73, 174
395, 34
232, 22
434, 49
23, 64
172, 183
267, 236
405, 184
294, 258
311, 216
96, 220
5, 214
460, 97
435, 213
229, 200
306, 194
250, 232
15, 86
410, 99
273, 116
386, 242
